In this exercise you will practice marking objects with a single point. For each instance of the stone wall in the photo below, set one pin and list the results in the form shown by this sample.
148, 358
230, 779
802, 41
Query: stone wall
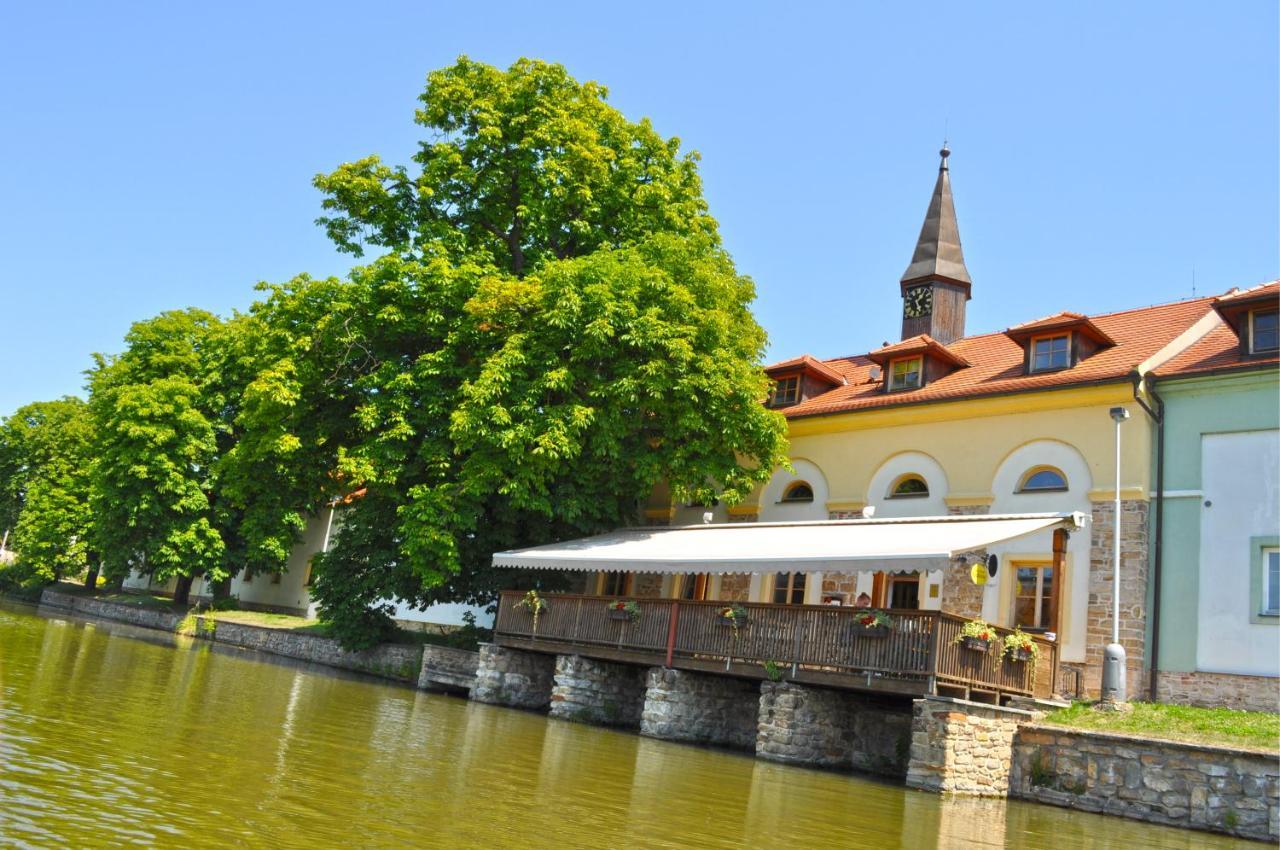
844, 514
1219, 690
1186, 785
703, 708
513, 677
400, 662
148, 618
449, 668
646, 585
1133, 592
959, 594
962, 747
601, 692
735, 588
801, 724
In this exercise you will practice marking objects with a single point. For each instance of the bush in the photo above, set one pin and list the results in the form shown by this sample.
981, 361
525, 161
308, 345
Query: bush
21, 580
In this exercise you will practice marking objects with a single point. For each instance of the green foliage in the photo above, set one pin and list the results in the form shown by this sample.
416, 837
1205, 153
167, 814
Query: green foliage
21, 581
46, 459
773, 671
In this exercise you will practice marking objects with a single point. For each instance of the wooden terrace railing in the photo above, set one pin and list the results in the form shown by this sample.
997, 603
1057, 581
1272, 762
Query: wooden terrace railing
813, 643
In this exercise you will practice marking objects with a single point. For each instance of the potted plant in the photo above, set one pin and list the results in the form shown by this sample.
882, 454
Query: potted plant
621, 609
1020, 646
976, 635
535, 604
874, 624
734, 615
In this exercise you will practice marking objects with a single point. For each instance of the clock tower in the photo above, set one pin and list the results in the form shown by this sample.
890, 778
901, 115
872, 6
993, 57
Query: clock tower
936, 286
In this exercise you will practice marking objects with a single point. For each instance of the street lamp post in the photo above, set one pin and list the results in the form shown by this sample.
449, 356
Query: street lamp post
1113, 657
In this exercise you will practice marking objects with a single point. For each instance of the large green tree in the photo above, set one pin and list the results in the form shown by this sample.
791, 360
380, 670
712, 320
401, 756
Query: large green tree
163, 412
46, 459
552, 329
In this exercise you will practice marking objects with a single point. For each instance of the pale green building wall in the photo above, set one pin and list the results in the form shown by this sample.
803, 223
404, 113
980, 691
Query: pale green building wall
1194, 407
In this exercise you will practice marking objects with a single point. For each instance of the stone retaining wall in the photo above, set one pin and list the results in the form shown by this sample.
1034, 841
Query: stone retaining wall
962, 747
1186, 785
513, 677
148, 618
801, 724
400, 662
703, 708
590, 691
446, 667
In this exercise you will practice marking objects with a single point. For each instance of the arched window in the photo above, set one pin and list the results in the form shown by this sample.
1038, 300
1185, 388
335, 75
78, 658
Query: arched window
1042, 479
798, 491
908, 486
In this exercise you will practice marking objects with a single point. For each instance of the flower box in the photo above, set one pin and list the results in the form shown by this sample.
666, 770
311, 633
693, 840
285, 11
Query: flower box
619, 614
729, 621
1020, 653
975, 644
877, 632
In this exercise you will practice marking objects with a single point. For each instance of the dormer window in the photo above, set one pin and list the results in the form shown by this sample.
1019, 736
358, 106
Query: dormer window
786, 391
905, 374
1264, 332
1049, 353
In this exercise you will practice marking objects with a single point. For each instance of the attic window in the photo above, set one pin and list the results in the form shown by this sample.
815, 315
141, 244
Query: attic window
1264, 331
905, 374
1043, 479
908, 487
1050, 352
799, 491
786, 391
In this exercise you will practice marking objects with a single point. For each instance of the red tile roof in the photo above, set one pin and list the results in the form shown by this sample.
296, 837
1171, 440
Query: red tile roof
1233, 306
1060, 321
997, 363
1219, 350
919, 344
807, 363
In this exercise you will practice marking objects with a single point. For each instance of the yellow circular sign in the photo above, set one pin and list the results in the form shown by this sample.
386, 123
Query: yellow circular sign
979, 573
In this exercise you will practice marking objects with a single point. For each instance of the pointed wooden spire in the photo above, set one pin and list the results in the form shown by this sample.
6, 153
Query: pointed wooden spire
938, 254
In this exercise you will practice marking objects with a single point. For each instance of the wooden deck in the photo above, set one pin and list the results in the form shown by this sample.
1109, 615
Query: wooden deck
815, 644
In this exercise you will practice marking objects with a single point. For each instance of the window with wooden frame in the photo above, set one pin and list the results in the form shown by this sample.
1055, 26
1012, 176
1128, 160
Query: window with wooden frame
1264, 332
694, 587
1042, 479
1049, 353
798, 491
906, 374
615, 584
786, 391
1035, 597
788, 588
909, 486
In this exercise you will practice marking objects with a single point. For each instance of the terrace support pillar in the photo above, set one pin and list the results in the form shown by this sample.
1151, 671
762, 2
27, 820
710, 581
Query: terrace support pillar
513, 677
603, 693
798, 724
702, 708
963, 747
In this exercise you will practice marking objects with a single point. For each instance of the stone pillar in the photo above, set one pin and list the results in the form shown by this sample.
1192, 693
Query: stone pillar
881, 736
599, 692
962, 747
799, 724
703, 708
959, 594
513, 677
1133, 592
846, 583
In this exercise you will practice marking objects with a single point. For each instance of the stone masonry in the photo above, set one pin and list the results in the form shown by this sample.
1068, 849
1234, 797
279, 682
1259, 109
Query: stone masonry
448, 668
1186, 785
148, 618
800, 724
1133, 592
735, 588
959, 594
703, 708
513, 677
1219, 690
962, 747
599, 692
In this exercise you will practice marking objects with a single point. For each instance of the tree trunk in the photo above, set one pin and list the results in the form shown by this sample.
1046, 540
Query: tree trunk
222, 589
91, 578
182, 593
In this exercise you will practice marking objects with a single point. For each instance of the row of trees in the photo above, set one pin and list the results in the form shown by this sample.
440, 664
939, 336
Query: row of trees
549, 329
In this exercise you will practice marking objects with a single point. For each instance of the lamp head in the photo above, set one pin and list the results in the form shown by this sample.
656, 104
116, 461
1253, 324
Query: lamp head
1119, 414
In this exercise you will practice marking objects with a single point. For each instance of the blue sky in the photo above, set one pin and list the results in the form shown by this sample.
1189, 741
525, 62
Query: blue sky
158, 157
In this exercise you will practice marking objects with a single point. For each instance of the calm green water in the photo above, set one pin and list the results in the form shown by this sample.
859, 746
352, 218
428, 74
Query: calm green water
111, 735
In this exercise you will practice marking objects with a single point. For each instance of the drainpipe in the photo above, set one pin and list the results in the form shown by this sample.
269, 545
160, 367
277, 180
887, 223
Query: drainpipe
1157, 415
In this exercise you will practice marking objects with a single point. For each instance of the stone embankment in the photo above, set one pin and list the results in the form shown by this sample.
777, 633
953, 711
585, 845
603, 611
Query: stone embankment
1189, 785
408, 663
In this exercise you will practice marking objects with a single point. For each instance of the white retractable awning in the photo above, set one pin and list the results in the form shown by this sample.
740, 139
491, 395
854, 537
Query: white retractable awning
838, 546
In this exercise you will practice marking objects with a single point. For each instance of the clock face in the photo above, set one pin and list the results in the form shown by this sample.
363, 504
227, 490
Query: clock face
917, 302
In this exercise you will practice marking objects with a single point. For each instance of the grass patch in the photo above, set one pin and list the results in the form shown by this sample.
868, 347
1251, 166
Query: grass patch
141, 600
270, 620
1221, 726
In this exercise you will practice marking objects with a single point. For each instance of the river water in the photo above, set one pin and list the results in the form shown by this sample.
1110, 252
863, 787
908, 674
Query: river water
112, 736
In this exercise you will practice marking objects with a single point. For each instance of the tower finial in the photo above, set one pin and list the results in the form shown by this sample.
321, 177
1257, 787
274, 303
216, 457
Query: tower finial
944, 153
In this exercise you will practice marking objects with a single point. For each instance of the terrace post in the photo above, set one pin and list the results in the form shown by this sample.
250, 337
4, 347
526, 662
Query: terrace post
671, 632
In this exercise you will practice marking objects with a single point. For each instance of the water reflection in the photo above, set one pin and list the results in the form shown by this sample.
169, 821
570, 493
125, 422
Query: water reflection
114, 735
